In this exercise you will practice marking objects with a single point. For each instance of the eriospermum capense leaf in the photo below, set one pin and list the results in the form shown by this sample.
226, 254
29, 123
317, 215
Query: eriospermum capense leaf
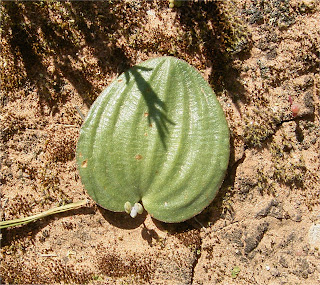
156, 135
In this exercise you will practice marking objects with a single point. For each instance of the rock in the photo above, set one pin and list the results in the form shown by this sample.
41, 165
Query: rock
275, 272
314, 236
251, 244
252, 241
273, 209
309, 103
261, 229
266, 210
277, 212
303, 268
297, 217
289, 239
283, 262
235, 237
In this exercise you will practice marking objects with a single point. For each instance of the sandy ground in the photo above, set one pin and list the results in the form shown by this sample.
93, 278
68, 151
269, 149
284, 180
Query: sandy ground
263, 227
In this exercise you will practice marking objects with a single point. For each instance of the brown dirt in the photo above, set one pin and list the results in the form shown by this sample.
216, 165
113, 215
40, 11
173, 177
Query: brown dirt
255, 54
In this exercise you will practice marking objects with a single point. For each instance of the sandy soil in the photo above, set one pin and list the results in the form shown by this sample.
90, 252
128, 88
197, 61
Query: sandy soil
263, 227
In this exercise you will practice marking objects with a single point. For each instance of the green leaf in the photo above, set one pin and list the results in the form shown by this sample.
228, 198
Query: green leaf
156, 135
235, 271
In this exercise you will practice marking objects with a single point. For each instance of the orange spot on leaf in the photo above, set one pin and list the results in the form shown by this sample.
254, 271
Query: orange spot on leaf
84, 164
138, 157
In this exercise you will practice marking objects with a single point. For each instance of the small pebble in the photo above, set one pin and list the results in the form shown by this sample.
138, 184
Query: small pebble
268, 267
295, 108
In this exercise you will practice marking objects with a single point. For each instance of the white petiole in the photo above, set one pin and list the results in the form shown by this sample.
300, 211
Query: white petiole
133, 211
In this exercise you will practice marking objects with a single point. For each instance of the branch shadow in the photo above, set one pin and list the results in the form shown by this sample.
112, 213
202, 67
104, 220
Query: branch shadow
156, 107
21, 44
214, 35
103, 36
47, 39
